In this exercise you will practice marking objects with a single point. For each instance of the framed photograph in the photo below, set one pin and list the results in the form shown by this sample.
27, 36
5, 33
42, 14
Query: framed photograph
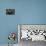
10, 11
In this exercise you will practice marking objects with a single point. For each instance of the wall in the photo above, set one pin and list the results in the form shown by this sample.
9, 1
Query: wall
27, 12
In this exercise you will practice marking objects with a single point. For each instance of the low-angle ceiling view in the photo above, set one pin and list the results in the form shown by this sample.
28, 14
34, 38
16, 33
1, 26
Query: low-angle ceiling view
22, 22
